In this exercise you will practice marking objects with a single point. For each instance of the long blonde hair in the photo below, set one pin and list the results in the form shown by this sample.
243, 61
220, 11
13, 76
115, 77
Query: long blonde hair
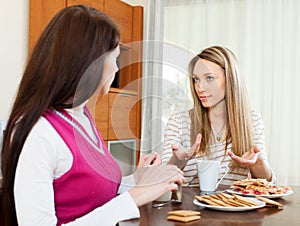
239, 127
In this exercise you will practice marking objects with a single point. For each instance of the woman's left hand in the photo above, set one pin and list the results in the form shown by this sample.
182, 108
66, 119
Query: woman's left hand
249, 158
156, 181
145, 162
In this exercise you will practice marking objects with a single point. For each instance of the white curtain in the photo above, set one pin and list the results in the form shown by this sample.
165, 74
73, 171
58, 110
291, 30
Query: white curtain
265, 36
164, 81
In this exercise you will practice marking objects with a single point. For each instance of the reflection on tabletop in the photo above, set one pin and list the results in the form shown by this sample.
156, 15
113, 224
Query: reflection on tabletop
265, 216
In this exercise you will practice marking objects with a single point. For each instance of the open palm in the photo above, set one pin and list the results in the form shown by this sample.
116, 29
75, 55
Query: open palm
182, 153
248, 158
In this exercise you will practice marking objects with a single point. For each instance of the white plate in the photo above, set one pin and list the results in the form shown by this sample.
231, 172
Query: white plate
260, 204
289, 192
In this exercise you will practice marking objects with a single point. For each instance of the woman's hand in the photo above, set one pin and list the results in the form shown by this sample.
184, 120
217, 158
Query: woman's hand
155, 181
150, 159
145, 162
258, 167
182, 154
248, 158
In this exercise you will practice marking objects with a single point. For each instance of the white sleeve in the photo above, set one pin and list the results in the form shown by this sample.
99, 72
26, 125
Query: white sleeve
259, 139
33, 188
171, 136
127, 183
118, 209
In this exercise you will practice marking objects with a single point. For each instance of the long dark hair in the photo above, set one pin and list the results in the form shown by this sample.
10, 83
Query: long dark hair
72, 41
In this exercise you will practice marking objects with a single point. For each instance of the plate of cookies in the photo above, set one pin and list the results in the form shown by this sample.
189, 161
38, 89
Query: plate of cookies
259, 187
228, 202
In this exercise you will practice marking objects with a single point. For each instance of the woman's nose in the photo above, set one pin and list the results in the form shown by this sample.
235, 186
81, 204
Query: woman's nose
200, 86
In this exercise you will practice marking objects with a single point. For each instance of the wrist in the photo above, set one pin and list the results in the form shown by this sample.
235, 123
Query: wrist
257, 165
261, 169
178, 162
137, 195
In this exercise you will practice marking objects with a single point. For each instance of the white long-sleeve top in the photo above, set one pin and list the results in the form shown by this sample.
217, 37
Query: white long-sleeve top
44, 158
178, 132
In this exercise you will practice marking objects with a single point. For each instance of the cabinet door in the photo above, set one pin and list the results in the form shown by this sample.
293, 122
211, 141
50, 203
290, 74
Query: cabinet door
122, 116
99, 112
122, 14
97, 4
41, 12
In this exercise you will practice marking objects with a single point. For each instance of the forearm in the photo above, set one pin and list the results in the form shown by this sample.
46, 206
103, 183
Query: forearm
261, 169
123, 208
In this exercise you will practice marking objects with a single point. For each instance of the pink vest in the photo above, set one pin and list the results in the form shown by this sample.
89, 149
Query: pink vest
94, 177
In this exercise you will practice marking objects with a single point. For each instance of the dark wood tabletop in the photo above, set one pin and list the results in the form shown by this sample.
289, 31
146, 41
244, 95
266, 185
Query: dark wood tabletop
266, 216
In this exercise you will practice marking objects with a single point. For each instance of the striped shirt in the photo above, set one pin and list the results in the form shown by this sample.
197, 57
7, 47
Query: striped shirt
178, 132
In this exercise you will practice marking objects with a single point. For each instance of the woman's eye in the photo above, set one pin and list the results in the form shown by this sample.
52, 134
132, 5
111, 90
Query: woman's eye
196, 80
209, 78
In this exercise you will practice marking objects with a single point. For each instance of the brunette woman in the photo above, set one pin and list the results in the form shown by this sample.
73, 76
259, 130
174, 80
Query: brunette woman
56, 167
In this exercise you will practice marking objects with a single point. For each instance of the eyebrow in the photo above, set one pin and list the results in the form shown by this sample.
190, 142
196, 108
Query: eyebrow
208, 73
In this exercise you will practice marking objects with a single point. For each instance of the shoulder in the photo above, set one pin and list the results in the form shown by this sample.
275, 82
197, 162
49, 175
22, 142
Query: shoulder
180, 115
41, 148
42, 138
256, 119
255, 114
178, 121
43, 130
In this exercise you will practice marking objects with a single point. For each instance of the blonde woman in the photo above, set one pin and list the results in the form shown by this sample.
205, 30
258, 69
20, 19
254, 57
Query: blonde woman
220, 126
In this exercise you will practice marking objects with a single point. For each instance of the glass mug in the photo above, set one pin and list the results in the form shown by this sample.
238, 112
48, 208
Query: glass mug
208, 173
165, 197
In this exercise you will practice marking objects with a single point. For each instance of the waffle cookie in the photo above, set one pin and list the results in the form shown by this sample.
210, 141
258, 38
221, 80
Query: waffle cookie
184, 215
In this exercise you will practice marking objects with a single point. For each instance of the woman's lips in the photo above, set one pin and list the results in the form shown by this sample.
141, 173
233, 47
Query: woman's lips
204, 97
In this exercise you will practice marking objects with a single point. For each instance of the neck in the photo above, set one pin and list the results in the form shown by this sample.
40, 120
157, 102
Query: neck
218, 114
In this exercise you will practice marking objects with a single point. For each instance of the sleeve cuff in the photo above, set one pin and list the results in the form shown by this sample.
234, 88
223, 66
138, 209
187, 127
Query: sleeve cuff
124, 208
127, 183
120, 208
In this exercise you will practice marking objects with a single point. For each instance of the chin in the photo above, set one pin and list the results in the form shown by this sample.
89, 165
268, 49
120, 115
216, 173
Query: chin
205, 104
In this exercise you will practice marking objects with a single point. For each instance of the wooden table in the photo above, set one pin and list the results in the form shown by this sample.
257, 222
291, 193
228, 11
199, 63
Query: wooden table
289, 216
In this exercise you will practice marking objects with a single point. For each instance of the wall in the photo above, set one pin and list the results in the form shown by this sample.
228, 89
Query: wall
14, 25
13, 44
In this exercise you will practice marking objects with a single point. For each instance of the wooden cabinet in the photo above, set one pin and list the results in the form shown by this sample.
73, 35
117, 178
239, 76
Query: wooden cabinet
128, 18
118, 114
41, 13
97, 4
100, 114
122, 122
123, 16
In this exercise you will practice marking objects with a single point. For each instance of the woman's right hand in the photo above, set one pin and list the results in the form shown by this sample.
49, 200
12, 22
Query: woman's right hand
182, 154
156, 180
